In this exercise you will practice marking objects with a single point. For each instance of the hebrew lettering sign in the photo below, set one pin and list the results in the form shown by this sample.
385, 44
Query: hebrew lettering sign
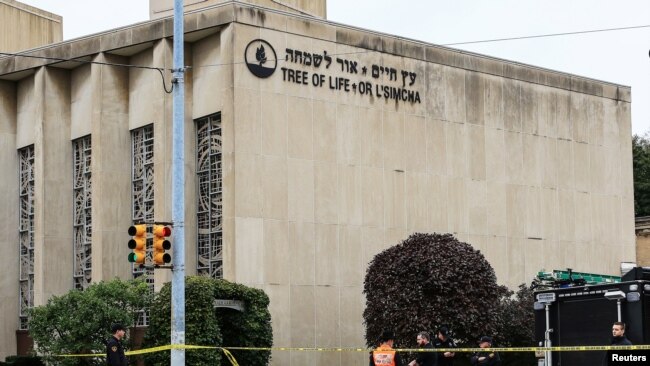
325, 70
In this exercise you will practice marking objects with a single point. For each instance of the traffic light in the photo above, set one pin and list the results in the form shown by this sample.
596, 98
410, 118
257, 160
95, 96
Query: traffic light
160, 244
138, 243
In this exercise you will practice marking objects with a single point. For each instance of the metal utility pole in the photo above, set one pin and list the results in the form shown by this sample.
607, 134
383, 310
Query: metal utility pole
548, 356
178, 189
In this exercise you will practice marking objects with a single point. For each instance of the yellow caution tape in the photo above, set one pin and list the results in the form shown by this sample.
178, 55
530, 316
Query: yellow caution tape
226, 350
229, 355
459, 350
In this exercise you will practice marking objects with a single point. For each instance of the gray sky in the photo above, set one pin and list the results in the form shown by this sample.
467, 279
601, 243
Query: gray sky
617, 56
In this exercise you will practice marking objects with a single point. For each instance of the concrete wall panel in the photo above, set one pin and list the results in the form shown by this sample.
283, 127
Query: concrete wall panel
436, 154
416, 191
52, 179
250, 251
274, 109
303, 254
325, 132
81, 102
327, 254
437, 199
28, 112
394, 204
111, 168
143, 84
9, 214
373, 199
326, 193
350, 197
24, 27
301, 190
477, 206
454, 81
275, 195
300, 128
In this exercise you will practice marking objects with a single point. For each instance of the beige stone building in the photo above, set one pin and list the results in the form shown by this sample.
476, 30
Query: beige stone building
315, 8
310, 147
23, 26
642, 230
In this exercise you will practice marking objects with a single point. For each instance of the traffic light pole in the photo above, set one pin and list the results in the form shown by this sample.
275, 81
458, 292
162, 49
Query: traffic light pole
178, 189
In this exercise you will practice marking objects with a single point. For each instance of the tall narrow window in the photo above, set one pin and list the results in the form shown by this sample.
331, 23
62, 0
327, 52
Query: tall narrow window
142, 193
82, 218
26, 233
209, 197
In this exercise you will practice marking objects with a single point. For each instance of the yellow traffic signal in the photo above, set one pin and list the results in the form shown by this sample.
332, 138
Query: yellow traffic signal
138, 243
160, 244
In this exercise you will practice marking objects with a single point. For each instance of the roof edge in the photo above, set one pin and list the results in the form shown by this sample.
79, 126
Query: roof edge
250, 14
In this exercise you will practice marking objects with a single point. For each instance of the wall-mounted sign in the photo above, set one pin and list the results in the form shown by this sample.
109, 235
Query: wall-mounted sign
231, 304
546, 297
260, 58
372, 80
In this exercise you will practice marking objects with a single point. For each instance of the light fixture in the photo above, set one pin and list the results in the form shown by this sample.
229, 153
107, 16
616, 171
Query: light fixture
615, 295
633, 296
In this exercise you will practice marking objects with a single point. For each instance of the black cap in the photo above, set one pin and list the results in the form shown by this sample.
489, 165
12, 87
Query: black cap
116, 326
387, 335
443, 331
485, 339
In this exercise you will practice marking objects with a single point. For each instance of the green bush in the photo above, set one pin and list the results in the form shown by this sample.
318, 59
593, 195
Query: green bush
517, 326
201, 326
23, 361
79, 322
430, 280
251, 328
641, 170
206, 326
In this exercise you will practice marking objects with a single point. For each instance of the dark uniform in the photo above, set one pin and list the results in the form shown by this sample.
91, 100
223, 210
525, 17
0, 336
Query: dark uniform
621, 341
447, 343
114, 350
426, 358
618, 341
115, 353
491, 358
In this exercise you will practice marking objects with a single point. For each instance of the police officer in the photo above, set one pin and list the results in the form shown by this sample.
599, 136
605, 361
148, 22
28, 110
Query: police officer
114, 350
485, 358
618, 335
424, 358
385, 355
443, 340
618, 339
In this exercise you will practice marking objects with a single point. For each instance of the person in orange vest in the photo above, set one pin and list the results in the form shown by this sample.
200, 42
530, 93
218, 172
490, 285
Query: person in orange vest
385, 355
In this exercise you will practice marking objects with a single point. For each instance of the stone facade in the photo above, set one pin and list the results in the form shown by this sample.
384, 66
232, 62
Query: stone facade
317, 8
23, 26
531, 166
642, 230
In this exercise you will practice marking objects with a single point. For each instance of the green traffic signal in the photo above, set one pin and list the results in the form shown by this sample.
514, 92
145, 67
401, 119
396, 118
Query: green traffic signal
133, 257
138, 243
